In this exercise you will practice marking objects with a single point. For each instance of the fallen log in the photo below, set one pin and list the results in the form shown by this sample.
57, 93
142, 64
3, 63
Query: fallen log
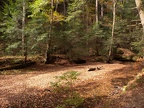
93, 69
17, 66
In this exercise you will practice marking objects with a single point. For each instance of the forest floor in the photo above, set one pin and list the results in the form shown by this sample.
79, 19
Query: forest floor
100, 88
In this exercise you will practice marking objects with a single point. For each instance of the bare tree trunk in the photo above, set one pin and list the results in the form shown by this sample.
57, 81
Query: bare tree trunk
97, 27
24, 49
113, 27
48, 53
102, 10
96, 6
64, 5
140, 9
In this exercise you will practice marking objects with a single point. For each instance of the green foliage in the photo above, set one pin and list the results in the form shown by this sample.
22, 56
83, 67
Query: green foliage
138, 47
72, 30
12, 72
74, 9
64, 86
37, 7
42, 27
11, 26
65, 81
74, 99
13, 46
97, 38
140, 79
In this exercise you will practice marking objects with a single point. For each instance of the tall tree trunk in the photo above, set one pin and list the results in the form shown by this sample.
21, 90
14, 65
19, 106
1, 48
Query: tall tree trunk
97, 26
86, 17
96, 6
102, 10
49, 49
140, 9
64, 6
113, 28
24, 49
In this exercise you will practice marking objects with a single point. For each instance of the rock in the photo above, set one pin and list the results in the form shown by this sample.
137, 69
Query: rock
123, 54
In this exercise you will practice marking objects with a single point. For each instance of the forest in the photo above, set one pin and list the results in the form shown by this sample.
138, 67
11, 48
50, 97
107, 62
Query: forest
71, 53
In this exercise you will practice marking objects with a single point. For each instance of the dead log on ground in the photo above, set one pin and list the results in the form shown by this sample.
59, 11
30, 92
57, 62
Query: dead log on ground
18, 66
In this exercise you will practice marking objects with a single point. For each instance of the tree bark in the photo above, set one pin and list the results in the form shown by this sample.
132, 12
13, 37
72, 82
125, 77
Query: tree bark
97, 27
64, 6
102, 10
97, 20
140, 9
113, 28
49, 49
24, 49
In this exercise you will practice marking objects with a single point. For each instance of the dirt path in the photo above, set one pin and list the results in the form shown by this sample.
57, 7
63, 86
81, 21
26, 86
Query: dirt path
40, 78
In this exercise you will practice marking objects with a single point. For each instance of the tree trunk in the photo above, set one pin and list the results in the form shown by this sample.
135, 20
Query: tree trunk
97, 27
113, 27
102, 10
97, 20
49, 49
140, 9
24, 49
64, 6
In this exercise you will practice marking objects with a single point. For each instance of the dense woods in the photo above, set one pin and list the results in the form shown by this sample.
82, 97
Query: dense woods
71, 53
76, 28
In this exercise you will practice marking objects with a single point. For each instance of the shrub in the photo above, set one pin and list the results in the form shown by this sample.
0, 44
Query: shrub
64, 86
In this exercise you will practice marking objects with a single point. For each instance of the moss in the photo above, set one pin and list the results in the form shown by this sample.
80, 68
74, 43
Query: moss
135, 58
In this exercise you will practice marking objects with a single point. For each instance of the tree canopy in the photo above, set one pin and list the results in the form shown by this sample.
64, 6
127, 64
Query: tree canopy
77, 28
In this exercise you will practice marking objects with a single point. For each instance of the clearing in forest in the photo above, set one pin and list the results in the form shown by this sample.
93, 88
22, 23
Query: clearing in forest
107, 81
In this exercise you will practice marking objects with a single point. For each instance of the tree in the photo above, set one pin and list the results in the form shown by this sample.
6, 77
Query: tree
113, 27
75, 28
48, 57
68, 27
13, 26
96, 12
44, 20
24, 47
140, 9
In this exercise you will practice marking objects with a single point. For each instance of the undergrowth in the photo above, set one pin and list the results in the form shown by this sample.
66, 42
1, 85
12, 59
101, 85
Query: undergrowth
64, 86
10, 72
137, 82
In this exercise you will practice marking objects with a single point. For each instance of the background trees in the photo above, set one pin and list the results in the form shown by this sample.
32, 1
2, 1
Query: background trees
140, 9
77, 28
13, 27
